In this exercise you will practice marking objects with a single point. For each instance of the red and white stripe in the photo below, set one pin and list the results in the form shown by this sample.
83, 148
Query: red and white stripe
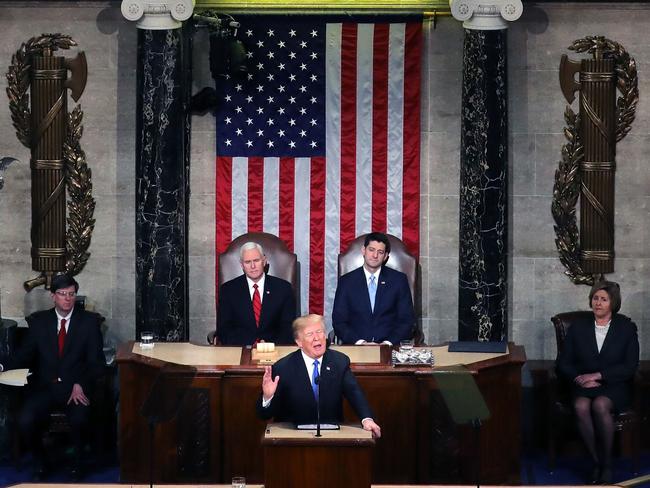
369, 179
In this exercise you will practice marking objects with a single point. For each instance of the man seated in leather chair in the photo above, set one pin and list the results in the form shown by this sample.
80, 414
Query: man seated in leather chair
373, 303
63, 349
255, 306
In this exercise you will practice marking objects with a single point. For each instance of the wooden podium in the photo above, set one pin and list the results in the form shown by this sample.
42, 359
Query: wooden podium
217, 434
297, 458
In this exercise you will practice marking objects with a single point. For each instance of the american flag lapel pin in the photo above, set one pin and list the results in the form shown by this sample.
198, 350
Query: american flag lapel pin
382, 282
327, 368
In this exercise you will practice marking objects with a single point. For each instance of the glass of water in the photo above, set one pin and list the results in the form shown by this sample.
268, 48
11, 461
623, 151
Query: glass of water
238, 482
405, 346
146, 340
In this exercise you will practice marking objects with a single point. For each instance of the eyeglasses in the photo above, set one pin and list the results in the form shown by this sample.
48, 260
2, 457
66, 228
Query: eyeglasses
70, 294
318, 333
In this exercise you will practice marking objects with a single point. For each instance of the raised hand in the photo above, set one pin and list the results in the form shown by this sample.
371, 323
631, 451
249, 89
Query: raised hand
269, 384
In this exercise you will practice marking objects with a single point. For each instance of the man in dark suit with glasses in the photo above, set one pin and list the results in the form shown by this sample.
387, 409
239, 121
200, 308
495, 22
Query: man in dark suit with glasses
63, 349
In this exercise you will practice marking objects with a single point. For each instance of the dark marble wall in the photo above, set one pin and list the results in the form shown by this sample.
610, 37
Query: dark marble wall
162, 184
483, 241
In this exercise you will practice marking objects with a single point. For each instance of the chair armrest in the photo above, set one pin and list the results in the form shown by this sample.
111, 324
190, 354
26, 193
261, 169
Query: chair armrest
332, 339
637, 392
418, 335
213, 339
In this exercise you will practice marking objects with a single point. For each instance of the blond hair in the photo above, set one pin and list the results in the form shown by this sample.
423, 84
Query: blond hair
302, 322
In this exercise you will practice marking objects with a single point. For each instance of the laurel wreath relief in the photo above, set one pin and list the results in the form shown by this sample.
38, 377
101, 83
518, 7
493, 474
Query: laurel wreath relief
80, 203
566, 188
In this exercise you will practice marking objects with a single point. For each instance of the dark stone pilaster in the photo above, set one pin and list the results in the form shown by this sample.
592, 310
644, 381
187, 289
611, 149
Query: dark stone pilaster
8, 395
482, 294
162, 183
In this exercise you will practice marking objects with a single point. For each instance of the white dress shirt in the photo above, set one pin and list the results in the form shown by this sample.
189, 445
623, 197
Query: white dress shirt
601, 333
59, 317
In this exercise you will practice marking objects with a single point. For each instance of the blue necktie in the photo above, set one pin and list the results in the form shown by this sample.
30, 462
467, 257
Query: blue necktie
372, 291
314, 380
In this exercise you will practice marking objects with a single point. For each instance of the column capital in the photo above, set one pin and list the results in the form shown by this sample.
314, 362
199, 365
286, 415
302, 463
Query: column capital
157, 14
486, 14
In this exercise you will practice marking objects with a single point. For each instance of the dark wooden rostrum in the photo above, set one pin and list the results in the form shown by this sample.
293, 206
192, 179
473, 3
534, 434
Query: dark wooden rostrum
419, 442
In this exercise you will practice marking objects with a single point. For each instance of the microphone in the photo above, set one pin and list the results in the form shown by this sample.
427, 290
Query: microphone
317, 383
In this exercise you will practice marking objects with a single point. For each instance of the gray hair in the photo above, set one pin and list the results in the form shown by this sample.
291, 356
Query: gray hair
247, 246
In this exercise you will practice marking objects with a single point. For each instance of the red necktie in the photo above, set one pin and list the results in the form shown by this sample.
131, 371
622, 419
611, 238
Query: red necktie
61, 337
257, 305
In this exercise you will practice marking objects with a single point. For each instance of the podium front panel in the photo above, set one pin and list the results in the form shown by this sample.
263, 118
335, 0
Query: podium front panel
299, 459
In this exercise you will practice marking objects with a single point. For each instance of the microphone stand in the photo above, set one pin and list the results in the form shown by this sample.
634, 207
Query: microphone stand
317, 382
476, 424
152, 425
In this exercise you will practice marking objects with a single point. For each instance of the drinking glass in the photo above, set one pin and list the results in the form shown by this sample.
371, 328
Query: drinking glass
146, 340
238, 482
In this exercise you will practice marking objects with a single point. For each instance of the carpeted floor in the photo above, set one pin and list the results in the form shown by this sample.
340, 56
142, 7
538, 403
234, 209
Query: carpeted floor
570, 470
10, 475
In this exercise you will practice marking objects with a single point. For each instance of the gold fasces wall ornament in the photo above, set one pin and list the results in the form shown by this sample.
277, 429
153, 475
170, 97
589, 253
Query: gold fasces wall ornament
588, 158
57, 161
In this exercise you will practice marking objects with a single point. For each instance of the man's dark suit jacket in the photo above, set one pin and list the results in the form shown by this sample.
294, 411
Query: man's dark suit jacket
83, 357
617, 361
294, 399
235, 318
393, 318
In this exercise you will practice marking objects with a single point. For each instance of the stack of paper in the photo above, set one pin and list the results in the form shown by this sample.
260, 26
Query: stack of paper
14, 377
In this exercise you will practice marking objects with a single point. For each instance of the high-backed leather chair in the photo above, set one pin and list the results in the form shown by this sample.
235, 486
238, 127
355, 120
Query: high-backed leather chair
281, 262
626, 423
399, 258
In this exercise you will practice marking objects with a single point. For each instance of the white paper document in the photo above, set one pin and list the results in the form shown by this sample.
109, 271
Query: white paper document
322, 427
14, 377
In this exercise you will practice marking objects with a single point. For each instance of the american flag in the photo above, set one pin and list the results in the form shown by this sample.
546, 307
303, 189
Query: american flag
320, 141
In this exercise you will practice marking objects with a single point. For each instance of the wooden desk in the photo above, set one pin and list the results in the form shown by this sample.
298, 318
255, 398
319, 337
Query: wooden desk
217, 434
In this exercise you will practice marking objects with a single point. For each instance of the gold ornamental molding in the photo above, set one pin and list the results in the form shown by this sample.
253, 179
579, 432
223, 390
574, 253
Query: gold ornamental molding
58, 164
433, 7
586, 170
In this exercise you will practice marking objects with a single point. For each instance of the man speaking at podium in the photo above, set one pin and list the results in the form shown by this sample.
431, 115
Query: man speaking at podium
312, 375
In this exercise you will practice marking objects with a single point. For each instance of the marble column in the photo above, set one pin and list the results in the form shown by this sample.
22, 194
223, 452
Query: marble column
483, 227
162, 166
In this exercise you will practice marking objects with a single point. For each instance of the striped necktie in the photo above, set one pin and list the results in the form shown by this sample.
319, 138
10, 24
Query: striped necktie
257, 305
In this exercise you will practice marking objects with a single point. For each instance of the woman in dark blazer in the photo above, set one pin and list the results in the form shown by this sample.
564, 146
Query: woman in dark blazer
600, 358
